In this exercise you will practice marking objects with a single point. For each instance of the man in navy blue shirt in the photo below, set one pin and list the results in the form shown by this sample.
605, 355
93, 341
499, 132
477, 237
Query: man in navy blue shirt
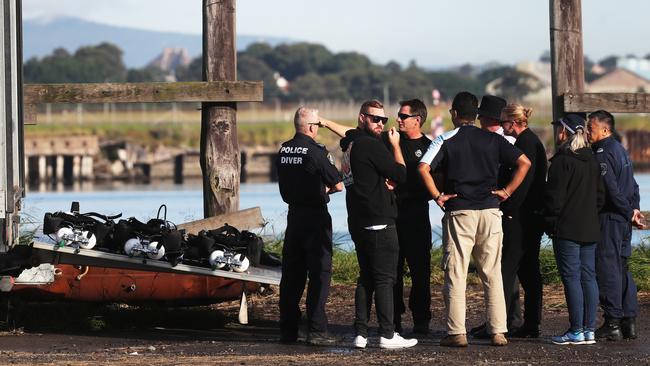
615, 284
306, 175
470, 161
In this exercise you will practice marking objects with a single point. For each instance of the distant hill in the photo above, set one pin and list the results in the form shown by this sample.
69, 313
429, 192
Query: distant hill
41, 36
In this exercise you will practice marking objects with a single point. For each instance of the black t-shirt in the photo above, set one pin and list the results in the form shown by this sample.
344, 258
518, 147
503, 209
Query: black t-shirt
305, 168
528, 197
412, 150
470, 161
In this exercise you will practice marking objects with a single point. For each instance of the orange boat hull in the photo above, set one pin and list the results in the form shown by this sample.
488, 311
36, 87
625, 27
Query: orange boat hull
96, 284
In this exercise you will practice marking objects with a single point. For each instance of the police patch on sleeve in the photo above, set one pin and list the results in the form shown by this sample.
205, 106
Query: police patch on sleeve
330, 158
603, 169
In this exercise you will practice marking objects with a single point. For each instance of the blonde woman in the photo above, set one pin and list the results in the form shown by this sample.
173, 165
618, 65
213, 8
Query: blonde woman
522, 228
574, 195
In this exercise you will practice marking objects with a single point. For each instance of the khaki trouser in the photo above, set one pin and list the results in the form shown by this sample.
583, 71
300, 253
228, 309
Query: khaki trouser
475, 233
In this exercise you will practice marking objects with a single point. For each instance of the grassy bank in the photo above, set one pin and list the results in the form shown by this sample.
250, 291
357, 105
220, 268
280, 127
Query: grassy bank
346, 270
183, 128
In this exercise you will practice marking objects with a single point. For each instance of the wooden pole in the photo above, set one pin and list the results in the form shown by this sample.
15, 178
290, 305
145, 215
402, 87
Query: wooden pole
219, 147
567, 61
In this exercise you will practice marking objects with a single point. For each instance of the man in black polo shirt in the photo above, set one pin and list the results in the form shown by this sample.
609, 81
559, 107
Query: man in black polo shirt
413, 224
306, 175
470, 161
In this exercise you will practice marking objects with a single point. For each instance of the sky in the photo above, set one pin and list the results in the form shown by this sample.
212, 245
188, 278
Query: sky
434, 33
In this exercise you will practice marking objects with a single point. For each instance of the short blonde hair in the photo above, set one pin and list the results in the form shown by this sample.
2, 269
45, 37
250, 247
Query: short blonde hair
516, 112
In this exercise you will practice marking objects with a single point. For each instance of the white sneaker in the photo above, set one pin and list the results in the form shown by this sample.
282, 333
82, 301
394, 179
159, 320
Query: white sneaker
360, 342
396, 342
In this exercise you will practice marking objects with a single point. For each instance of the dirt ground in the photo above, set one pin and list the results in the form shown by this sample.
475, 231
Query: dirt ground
78, 335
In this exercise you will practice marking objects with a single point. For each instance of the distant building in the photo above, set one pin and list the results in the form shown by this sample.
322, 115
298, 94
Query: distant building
639, 66
170, 59
542, 72
630, 75
540, 81
281, 82
619, 80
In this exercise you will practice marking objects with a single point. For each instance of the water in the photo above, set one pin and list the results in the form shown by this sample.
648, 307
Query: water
185, 203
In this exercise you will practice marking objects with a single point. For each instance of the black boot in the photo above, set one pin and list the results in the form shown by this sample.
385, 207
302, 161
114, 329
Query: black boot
628, 328
525, 331
611, 330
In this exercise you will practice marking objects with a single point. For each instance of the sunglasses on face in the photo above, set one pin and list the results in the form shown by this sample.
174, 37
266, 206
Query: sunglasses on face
376, 119
404, 116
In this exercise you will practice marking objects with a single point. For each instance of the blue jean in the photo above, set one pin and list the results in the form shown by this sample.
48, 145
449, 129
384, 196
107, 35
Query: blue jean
576, 263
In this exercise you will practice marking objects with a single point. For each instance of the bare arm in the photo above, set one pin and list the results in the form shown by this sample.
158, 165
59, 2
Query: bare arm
523, 164
337, 128
425, 172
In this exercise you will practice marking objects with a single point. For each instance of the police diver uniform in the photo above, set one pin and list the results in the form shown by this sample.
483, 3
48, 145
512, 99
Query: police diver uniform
305, 169
617, 288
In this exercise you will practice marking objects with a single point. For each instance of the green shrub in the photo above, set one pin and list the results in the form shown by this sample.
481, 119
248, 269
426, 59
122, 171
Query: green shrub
345, 268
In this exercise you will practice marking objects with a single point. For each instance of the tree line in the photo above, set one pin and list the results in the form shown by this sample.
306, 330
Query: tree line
313, 73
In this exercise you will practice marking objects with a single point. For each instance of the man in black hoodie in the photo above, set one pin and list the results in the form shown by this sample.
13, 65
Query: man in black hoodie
369, 170
413, 224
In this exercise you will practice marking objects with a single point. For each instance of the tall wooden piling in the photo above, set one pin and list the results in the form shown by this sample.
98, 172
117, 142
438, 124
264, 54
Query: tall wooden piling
219, 147
567, 61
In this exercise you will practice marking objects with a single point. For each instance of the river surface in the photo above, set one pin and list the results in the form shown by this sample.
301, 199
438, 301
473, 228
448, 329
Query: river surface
184, 203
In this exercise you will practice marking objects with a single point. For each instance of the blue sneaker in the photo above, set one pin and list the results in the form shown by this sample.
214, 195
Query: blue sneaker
590, 337
570, 337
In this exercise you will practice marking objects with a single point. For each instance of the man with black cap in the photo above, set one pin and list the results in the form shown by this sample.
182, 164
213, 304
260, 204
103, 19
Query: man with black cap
306, 175
615, 283
489, 115
470, 161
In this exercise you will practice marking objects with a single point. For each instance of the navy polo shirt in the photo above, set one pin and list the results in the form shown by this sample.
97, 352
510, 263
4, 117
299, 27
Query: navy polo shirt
470, 160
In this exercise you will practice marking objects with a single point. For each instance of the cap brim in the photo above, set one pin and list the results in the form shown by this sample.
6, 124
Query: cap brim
488, 114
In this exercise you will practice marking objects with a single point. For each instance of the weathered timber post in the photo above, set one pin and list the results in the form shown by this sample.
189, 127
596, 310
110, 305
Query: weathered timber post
567, 61
219, 147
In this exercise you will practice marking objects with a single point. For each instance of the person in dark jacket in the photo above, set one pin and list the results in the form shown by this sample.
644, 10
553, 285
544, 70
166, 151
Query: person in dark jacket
413, 223
621, 211
574, 194
306, 176
522, 228
368, 169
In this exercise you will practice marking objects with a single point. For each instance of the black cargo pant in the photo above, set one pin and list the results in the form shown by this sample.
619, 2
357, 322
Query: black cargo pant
520, 258
307, 252
414, 235
377, 252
